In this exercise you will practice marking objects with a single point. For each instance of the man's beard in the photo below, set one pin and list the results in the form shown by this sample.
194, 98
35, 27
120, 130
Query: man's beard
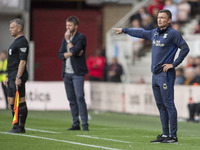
72, 31
13, 34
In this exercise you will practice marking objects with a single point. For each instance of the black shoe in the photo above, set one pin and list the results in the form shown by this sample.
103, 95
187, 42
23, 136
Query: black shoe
21, 130
85, 129
74, 128
13, 130
170, 139
160, 138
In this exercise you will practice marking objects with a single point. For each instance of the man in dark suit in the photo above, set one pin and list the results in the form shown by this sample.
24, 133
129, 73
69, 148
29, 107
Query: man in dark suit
72, 52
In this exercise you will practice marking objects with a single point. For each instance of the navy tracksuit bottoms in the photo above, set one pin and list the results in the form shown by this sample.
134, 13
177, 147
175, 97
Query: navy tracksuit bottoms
163, 90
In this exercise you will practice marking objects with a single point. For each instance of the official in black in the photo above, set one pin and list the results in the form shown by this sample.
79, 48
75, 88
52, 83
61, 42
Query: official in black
17, 72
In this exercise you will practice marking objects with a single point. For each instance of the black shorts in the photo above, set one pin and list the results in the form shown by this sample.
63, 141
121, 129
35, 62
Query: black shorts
12, 86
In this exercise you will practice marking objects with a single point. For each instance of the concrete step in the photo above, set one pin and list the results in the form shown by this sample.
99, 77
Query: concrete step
141, 69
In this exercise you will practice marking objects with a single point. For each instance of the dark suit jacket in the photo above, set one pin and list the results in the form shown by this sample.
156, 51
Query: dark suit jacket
117, 76
78, 62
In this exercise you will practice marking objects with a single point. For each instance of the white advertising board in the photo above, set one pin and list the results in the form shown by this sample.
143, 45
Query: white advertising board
46, 96
101, 96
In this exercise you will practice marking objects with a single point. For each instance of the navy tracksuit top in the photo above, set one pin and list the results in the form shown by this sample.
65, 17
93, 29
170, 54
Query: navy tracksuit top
165, 44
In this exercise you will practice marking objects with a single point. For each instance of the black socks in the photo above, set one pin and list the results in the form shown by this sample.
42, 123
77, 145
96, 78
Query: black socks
23, 111
12, 109
22, 115
13, 113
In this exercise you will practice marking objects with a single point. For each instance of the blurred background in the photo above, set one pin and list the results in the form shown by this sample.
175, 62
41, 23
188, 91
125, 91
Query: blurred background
45, 27
113, 60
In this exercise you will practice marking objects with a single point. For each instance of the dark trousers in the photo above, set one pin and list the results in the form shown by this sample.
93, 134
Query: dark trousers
163, 90
194, 108
5, 94
74, 86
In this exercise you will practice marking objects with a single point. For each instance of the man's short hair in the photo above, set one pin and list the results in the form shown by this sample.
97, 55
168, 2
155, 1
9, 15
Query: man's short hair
19, 22
169, 14
73, 19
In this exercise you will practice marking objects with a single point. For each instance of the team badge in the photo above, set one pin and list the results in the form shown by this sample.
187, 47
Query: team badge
23, 49
164, 86
10, 52
165, 36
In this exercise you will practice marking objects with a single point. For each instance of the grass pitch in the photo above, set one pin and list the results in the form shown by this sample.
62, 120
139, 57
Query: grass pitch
46, 130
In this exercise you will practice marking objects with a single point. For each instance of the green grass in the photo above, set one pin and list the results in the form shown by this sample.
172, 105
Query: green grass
137, 129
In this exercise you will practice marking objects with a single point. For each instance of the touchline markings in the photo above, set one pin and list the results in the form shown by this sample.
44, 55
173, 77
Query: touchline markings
44, 131
86, 136
93, 137
64, 141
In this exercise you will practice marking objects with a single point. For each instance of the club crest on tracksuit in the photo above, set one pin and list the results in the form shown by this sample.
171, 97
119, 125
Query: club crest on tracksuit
165, 36
165, 86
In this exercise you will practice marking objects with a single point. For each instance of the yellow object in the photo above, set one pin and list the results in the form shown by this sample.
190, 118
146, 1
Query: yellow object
16, 109
3, 69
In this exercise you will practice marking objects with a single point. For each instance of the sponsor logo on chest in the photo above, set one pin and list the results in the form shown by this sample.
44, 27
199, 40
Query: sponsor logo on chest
158, 43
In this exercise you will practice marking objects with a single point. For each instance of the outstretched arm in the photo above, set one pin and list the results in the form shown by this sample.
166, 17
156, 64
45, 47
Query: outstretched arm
118, 30
139, 33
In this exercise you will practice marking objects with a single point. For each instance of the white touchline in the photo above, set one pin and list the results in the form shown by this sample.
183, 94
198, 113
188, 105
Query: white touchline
64, 141
44, 131
87, 136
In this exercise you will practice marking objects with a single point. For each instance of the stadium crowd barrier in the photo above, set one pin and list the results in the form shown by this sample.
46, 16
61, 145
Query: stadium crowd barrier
101, 96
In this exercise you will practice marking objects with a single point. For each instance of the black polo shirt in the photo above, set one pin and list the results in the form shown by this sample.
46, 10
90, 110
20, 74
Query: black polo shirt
17, 51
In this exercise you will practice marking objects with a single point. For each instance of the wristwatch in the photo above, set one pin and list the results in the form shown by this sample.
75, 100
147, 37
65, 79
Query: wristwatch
68, 41
18, 77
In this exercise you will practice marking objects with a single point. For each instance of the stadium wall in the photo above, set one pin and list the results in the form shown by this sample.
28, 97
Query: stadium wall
48, 28
112, 97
